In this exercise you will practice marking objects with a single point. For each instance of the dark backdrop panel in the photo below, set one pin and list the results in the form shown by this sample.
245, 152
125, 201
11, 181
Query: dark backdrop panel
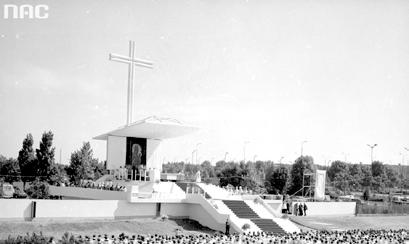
135, 152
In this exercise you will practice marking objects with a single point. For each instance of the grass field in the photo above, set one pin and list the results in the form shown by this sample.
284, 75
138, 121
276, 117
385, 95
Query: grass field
112, 227
352, 222
168, 227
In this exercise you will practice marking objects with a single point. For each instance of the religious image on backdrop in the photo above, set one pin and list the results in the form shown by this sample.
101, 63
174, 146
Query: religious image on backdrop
135, 155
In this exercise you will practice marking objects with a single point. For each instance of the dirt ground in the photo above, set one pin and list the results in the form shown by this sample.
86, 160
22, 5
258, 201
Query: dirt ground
352, 222
96, 227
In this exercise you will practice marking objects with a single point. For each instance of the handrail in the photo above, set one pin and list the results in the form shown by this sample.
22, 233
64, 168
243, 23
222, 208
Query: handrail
269, 209
298, 191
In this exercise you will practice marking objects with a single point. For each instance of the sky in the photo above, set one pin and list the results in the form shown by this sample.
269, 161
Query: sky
255, 76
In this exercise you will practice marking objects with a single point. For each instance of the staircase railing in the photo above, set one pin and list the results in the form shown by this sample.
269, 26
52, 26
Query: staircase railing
220, 218
275, 213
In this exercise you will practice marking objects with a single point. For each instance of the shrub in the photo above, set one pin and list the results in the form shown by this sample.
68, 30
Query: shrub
245, 227
164, 217
32, 239
257, 200
69, 238
38, 190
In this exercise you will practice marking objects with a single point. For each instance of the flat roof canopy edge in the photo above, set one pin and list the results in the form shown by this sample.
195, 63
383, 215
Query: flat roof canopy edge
151, 128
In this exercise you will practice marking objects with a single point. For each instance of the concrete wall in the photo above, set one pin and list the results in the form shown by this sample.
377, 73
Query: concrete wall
116, 152
153, 152
87, 193
175, 210
15, 209
109, 209
330, 208
57, 209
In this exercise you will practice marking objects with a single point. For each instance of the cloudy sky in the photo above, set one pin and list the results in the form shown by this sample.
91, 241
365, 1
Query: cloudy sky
273, 73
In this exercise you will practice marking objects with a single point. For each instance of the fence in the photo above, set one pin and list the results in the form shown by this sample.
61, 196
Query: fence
391, 208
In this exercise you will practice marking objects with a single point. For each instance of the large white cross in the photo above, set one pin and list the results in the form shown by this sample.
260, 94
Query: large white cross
132, 62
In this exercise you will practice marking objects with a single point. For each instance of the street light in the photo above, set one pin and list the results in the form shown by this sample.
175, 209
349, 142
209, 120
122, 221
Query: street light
225, 156
345, 156
302, 145
254, 158
372, 147
281, 159
197, 150
244, 150
193, 153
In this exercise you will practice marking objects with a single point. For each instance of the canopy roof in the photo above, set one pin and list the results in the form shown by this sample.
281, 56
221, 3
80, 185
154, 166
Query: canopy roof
151, 128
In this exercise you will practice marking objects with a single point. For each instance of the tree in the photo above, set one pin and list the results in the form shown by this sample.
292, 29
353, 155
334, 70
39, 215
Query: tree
38, 190
231, 175
45, 156
26, 160
81, 164
207, 170
277, 181
303, 164
367, 178
337, 168
9, 169
99, 169
378, 169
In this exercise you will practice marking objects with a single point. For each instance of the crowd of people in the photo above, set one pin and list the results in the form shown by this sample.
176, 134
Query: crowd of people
108, 185
310, 237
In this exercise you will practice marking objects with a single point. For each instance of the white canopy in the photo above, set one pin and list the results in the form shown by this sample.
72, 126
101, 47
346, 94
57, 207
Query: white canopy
151, 128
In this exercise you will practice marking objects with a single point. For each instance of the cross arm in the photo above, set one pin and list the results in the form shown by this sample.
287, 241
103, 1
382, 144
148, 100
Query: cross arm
127, 60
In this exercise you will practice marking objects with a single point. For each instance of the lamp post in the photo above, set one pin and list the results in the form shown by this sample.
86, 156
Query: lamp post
407, 149
254, 158
345, 156
302, 146
281, 159
225, 156
197, 151
193, 154
372, 147
244, 150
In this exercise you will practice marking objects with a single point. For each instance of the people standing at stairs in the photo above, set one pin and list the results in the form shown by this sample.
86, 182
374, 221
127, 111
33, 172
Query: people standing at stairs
301, 209
305, 209
227, 226
288, 207
295, 209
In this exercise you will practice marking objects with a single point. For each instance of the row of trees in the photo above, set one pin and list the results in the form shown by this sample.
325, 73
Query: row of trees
265, 176
260, 176
39, 164
376, 176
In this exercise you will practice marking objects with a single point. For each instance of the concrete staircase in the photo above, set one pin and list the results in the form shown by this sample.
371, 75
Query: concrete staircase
268, 225
183, 186
243, 211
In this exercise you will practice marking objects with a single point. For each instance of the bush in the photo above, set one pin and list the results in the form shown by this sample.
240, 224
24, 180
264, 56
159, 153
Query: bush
164, 217
245, 227
32, 239
38, 190
69, 238
257, 200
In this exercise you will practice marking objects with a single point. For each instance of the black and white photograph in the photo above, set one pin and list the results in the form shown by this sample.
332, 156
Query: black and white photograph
204, 121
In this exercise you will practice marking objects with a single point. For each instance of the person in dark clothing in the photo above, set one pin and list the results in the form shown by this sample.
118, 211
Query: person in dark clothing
288, 208
296, 209
300, 209
305, 209
227, 227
